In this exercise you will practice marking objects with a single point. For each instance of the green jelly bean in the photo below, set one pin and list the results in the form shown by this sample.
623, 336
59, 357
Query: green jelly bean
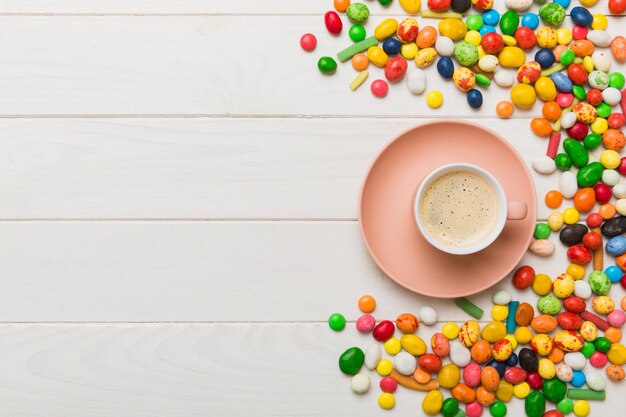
567, 57
565, 406
450, 407
563, 161
554, 390
509, 22
586, 394
351, 361
602, 344
604, 110
337, 322
589, 175
616, 79
482, 80
579, 92
357, 33
592, 141
327, 65
576, 151
535, 404
474, 22
542, 231
358, 12
588, 349
498, 409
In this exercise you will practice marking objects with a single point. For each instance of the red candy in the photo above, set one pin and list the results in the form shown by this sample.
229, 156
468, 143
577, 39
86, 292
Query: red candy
600, 323
429, 363
603, 192
598, 359
574, 304
492, 42
333, 22
578, 131
383, 331
379, 88
553, 413
592, 240
523, 277
622, 166
616, 120
594, 97
594, 220
395, 69
578, 254
617, 6
577, 74
308, 42
525, 37
388, 384
534, 380
623, 281
515, 375
439, 5
569, 321
579, 32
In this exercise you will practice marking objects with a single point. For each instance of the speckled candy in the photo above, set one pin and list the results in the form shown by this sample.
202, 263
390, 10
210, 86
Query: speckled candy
407, 30
469, 333
542, 344
549, 304
466, 53
529, 72
598, 79
599, 282
585, 113
561, 82
552, 14
358, 12
568, 341
365, 323
464, 79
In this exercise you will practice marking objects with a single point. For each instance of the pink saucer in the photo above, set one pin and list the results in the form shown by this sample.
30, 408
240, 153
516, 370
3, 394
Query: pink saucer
386, 211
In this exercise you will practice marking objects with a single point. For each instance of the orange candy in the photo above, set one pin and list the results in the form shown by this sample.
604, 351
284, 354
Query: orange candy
613, 139
551, 111
607, 211
541, 126
360, 62
553, 198
585, 199
463, 393
622, 303
557, 355
426, 37
341, 5
484, 397
582, 47
421, 376
504, 109
613, 334
367, 303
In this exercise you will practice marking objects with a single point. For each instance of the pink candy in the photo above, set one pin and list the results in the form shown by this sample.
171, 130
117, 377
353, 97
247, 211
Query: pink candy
471, 375
474, 409
598, 359
579, 32
365, 323
388, 384
564, 99
379, 88
616, 318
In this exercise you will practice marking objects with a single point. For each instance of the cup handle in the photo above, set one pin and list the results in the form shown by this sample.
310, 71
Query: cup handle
516, 210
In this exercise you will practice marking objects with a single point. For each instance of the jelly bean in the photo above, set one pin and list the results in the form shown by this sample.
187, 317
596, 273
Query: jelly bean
333, 22
454, 29
413, 344
327, 65
351, 361
385, 29
535, 403
411, 6
511, 57
545, 88
509, 22
372, 355
383, 331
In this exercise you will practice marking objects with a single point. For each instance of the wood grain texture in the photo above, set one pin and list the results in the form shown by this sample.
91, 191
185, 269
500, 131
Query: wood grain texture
194, 370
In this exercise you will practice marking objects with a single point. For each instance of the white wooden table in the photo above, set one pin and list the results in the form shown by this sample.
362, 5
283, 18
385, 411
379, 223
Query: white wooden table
178, 214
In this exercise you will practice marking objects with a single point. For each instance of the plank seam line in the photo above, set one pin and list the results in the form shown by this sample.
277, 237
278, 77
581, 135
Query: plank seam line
185, 220
253, 116
194, 322
207, 14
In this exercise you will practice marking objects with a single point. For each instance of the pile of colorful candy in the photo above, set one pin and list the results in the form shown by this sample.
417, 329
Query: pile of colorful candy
480, 368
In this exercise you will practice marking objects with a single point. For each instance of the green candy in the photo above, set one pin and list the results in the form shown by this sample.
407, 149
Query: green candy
604, 110
589, 175
327, 65
552, 14
565, 406
563, 162
554, 390
588, 349
357, 12
385, 2
535, 403
337, 322
509, 22
498, 409
602, 344
450, 407
616, 79
592, 141
357, 33
576, 151
567, 57
474, 22
351, 361
482, 80
549, 304
579, 92
599, 282
542, 231
466, 53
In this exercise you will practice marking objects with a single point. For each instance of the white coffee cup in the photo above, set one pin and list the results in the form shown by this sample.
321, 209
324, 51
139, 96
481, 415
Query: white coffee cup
507, 210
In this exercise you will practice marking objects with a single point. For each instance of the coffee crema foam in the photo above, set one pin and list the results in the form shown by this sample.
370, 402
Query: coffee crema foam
460, 209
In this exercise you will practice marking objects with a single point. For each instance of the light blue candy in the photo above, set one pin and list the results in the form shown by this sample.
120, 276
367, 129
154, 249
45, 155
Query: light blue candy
564, 3
614, 273
579, 379
491, 17
616, 245
486, 29
530, 20
562, 82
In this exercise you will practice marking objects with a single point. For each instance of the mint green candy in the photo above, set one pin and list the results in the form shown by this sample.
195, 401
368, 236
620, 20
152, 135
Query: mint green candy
552, 14
549, 304
599, 282
466, 53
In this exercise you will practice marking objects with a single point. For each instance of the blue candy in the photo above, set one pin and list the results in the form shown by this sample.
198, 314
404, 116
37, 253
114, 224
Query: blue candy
499, 366
475, 98
614, 273
392, 46
486, 29
513, 360
616, 246
530, 20
491, 17
564, 3
581, 16
579, 379
562, 83
545, 57
445, 67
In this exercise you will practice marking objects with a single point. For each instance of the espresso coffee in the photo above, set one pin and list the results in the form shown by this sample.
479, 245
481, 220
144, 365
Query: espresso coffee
460, 209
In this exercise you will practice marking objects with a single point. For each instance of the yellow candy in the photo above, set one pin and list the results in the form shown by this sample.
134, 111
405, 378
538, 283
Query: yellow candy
469, 332
493, 331
581, 408
408, 50
617, 354
546, 37
588, 63
385, 29
504, 392
449, 375
547, 370
542, 284
603, 304
600, 125
411, 6
546, 90
384, 367
599, 22
413, 344
450, 330
454, 29
555, 219
575, 271
588, 3
392, 346
542, 344
481, 51
563, 286
512, 57
434, 99
521, 390
499, 313
523, 335
568, 341
386, 401
610, 159
425, 57
523, 96
563, 36
432, 402
511, 339
473, 37
570, 215
377, 56
509, 40
589, 331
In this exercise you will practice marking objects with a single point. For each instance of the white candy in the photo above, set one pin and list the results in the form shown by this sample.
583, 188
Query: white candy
599, 38
459, 355
427, 315
360, 383
504, 78
610, 177
601, 61
611, 96
519, 5
595, 381
541, 247
619, 190
444, 46
416, 81
501, 297
568, 120
544, 165
575, 360
488, 63
564, 373
405, 363
373, 354
582, 289
568, 185
620, 206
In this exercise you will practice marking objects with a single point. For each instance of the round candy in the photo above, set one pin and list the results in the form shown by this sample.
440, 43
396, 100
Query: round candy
365, 323
598, 80
504, 109
427, 314
360, 62
581, 16
450, 330
392, 46
386, 401
475, 99
337, 322
581, 408
327, 65
530, 20
466, 53
379, 88
388, 384
504, 78
525, 37
357, 33
523, 96
308, 42
545, 57
367, 303
565, 406
434, 99
491, 17
408, 30
360, 383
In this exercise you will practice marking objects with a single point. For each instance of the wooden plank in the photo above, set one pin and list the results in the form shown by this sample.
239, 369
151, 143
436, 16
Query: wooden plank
195, 370
204, 271
204, 168
191, 65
